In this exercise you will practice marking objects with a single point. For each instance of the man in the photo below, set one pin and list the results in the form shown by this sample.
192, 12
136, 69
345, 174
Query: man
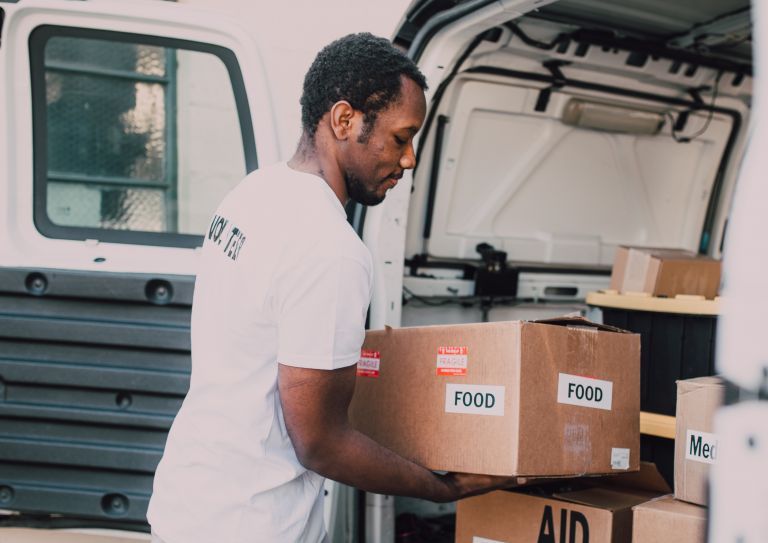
278, 321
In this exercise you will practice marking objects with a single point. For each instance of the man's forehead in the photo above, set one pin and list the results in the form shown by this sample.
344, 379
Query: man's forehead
407, 112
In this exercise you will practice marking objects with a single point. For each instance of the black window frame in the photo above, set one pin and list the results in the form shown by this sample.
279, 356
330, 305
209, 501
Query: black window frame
38, 39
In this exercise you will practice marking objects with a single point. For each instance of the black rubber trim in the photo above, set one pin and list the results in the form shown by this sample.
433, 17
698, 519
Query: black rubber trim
438, 22
53, 522
2, 20
155, 289
438, 96
37, 40
89, 389
442, 121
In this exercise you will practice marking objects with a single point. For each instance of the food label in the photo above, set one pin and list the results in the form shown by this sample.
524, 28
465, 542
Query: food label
584, 391
474, 399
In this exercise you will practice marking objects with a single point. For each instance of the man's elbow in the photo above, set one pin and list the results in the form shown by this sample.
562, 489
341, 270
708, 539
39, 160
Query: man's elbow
316, 454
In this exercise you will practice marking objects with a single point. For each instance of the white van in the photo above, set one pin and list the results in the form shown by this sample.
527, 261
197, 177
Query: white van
556, 131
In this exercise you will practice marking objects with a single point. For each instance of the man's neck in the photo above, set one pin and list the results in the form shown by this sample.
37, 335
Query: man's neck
308, 159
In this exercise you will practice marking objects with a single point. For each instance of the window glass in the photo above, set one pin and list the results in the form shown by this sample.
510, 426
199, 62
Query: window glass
139, 137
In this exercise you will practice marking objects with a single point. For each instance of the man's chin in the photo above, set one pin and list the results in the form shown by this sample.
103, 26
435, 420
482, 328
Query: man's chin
366, 197
358, 193
369, 200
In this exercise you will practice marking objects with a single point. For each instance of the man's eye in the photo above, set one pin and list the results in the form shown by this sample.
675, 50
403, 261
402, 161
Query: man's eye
400, 141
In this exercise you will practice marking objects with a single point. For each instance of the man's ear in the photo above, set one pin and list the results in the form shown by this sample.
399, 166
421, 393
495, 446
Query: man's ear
342, 119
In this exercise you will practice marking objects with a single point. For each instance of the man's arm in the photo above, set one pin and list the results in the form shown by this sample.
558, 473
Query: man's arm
315, 406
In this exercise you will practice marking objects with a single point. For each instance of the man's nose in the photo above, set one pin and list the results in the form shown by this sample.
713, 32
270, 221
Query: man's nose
408, 160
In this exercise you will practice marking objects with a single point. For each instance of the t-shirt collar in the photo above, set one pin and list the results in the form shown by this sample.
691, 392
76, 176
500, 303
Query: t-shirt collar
325, 187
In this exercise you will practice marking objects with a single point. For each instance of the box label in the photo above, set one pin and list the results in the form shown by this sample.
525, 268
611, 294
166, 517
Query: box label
619, 458
452, 360
474, 399
701, 447
575, 528
369, 363
478, 539
584, 391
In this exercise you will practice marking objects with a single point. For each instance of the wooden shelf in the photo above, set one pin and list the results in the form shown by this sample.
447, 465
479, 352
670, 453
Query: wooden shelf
654, 424
689, 305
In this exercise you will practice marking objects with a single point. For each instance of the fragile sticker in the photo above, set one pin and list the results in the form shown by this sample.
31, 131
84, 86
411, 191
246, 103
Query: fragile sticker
584, 391
452, 360
369, 363
619, 458
474, 399
701, 446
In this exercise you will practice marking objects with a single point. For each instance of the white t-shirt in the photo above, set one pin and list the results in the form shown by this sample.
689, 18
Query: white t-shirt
283, 278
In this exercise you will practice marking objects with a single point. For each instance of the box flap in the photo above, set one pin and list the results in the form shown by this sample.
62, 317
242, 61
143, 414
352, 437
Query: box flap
669, 505
580, 321
647, 479
611, 499
687, 385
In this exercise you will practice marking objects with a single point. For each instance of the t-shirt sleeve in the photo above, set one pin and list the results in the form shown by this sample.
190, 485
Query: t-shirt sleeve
321, 310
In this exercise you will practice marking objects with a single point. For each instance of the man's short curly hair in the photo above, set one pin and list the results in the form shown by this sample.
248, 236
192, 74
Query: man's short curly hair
362, 69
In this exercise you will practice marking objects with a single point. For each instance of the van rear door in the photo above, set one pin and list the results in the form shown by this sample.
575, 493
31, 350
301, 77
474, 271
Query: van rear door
124, 124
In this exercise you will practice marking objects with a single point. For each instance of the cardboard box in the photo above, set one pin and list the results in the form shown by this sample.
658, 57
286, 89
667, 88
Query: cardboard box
667, 520
597, 511
696, 447
548, 398
664, 272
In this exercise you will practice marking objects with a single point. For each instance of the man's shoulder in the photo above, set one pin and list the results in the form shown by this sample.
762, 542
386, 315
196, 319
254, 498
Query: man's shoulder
340, 241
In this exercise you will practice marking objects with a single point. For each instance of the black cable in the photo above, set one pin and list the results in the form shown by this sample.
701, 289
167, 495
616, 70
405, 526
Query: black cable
688, 139
517, 31
468, 301
427, 301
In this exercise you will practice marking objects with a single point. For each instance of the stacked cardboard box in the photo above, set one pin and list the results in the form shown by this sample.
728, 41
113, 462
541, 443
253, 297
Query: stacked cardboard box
664, 272
557, 398
549, 398
668, 520
595, 511
683, 518
696, 447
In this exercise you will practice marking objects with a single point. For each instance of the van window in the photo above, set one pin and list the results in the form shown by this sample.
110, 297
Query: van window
136, 138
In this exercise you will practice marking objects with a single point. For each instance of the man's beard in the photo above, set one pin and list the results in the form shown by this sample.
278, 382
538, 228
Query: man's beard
359, 193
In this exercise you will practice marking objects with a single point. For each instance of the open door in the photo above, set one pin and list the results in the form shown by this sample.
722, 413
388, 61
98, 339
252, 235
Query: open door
124, 125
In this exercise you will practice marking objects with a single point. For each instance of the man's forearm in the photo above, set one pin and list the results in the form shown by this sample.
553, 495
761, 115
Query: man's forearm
315, 404
352, 458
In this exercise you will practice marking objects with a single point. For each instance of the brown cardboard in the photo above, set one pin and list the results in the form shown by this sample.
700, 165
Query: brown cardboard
697, 401
405, 407
666, 520
598, 512
665, 272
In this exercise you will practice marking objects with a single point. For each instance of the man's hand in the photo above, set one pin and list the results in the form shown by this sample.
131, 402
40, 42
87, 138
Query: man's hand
315, 406
471, 484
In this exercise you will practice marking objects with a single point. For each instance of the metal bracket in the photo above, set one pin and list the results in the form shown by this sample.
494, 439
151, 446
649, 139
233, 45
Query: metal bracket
695, 93
554, 68
559, 82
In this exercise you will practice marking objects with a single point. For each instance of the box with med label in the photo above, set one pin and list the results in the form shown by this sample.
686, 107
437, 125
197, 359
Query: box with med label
696, 447
548, 398
593, 510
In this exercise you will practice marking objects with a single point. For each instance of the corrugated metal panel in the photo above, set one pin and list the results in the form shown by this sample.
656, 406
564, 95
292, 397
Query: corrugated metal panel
93, 368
